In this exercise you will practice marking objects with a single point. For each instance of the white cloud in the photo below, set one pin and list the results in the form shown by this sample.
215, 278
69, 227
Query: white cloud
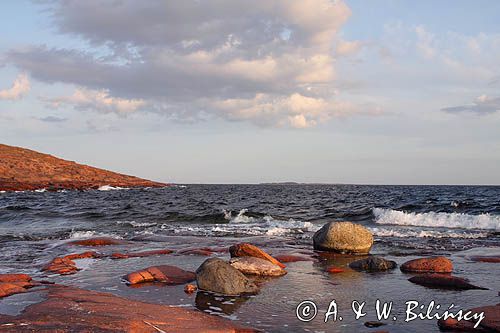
19, 88
101, 101
482, 105
179, 57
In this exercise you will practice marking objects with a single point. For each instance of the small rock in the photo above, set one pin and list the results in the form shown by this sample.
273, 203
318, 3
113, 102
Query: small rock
428, 265
343, 237
490, 259
374, 324
249, 250
14, 277
218, 276
256, 266
170, 275
335, 270
8, 288
373, 264
65, 265
443, 281
97, 241
190, 288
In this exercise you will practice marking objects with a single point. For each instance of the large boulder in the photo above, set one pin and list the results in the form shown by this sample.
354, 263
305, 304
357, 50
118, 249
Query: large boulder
218, 276
373, 264
343, 237
249, 250
428, 265
443, 281
256, 266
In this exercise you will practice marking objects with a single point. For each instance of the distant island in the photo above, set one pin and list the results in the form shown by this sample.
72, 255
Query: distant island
23, 169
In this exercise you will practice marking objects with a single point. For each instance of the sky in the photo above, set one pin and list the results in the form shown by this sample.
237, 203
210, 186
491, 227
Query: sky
233, 91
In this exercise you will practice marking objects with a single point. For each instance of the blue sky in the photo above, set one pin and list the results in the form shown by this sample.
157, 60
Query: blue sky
386, 92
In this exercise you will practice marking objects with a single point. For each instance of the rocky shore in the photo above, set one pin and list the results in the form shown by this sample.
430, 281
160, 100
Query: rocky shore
27, 170
227, 276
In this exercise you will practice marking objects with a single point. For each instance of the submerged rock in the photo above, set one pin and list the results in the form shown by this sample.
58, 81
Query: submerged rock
490, 323
65, 265
284, 258
373, 264
118, 255
428, 265
335, 270
164, 273
218, 276
443, 281
97, 241
68, 309
489, 259
249, 250
256, 266
11, 284
343, 237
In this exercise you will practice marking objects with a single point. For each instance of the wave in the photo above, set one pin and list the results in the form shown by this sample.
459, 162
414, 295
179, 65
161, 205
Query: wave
437, 220
404, 233
91, 233
110, 188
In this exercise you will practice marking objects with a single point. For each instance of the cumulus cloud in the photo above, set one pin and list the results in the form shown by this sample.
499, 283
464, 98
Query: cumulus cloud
19, 88
101, 101
187, 58
481, 105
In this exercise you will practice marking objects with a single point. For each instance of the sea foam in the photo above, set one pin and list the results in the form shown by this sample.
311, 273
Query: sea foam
437, 220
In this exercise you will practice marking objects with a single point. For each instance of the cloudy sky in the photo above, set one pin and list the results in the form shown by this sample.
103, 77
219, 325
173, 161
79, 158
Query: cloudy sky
230, 91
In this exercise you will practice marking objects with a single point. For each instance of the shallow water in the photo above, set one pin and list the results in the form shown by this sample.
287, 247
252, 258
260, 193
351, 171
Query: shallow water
408, 221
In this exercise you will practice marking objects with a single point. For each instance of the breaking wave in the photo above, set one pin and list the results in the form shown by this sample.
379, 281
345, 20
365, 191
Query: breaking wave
110, 188
400, 233
437, 220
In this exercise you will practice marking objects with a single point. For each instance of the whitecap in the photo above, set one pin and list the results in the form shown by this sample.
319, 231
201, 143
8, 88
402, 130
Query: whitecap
437, 220
110, 188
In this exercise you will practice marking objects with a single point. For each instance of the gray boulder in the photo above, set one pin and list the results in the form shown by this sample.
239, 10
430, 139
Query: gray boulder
373, 264
256, 266
343, 237
218, 276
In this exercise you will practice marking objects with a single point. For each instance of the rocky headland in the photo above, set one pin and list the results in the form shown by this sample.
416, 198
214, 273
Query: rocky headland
23, 170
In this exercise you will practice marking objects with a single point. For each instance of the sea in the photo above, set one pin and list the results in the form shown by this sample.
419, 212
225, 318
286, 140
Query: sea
406, 221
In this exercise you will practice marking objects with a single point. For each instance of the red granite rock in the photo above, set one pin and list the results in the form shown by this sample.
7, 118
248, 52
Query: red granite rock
249, 250
96, 241
164, 273
428, 265
68, 309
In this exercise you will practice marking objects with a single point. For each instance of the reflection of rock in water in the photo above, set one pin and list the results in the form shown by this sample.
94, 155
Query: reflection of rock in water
213, 303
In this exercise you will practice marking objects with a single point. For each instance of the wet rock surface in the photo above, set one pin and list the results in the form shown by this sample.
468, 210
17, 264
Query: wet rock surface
218, 276
428, 265
163, 273
373, 264
68, 309
443, 281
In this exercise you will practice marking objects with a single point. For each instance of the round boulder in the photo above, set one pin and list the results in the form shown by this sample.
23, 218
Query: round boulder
373, 264
218, 276
343, 237
256, 266
428, 265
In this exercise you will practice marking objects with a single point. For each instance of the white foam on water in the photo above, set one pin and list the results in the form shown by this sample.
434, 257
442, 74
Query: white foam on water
41, 190
137, 224
111, 188
90, 233
403, 233
437, 220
